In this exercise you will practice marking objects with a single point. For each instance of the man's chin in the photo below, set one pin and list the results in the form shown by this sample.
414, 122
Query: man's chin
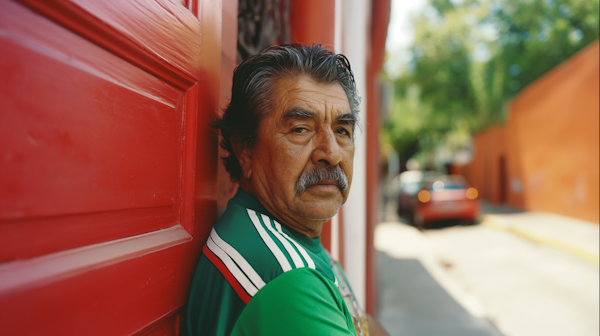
315, 219
318, 211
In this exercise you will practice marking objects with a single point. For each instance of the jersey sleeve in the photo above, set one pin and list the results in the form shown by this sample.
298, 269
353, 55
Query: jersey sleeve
299, 302
213, 305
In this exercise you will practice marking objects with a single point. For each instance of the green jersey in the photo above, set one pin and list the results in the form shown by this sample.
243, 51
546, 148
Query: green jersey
257, 276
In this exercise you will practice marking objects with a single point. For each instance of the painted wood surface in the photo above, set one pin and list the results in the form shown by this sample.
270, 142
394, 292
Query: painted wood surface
107, 162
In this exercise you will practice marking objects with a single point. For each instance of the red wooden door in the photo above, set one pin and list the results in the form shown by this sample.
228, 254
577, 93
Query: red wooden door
107, 162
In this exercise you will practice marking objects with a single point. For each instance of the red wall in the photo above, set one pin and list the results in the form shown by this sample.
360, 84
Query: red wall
313, 21
380, 15
225, 187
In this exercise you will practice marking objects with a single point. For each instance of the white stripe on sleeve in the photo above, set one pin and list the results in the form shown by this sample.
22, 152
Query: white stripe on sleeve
232, 267
237, 257
308, 259
283, 262
295, 257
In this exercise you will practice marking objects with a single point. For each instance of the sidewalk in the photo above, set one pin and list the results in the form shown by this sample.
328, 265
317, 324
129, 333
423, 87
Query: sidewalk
571, 235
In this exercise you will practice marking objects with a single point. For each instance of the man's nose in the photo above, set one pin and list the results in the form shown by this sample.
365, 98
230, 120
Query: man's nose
327, 150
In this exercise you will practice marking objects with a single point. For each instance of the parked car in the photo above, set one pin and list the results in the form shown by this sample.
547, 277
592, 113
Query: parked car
444, 197
409, 182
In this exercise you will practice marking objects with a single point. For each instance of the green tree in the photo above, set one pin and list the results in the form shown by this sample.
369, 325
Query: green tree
470, 56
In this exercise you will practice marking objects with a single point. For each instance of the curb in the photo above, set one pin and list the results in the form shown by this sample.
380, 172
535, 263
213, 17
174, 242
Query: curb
491, 222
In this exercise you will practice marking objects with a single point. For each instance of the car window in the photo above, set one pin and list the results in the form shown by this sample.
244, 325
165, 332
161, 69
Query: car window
444, 185
411, 188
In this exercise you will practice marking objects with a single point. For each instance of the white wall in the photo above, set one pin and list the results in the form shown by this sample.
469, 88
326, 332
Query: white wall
354, 41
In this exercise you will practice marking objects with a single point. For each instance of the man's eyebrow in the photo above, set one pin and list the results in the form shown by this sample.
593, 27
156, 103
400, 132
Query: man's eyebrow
347, 118
298, 113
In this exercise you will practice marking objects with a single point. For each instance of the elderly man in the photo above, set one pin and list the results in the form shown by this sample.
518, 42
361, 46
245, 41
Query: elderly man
289, 131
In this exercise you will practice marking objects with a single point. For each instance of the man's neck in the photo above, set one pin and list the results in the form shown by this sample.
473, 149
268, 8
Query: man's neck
313, 231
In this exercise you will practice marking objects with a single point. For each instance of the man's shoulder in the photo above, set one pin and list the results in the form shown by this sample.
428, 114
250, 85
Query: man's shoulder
254, 247
238, 234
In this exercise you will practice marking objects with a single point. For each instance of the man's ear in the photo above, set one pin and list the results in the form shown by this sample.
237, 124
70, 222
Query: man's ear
244, 155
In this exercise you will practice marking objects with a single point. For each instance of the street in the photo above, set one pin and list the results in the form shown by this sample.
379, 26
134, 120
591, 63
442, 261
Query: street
522, 287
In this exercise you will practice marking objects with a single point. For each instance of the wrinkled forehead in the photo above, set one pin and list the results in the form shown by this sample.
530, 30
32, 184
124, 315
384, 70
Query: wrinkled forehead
303, 92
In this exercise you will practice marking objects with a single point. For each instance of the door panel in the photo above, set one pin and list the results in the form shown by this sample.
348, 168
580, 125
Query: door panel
107, 162
112, 289
158, 35
161, 27
85, 145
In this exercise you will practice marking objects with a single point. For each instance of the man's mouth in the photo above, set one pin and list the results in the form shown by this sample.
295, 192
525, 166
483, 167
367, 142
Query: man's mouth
326, 186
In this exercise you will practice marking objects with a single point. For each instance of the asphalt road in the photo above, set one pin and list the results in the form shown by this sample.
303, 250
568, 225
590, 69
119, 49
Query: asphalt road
476, 280
414, 303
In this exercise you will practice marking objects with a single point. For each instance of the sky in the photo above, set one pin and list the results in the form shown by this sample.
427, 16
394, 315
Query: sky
400, 34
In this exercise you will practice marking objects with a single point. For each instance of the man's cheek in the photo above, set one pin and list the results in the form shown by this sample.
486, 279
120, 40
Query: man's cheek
348, 173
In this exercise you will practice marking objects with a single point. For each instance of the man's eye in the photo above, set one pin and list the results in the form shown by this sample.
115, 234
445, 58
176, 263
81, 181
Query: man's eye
343, 131
300, 130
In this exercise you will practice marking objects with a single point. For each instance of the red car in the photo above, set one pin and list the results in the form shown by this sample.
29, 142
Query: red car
445, 197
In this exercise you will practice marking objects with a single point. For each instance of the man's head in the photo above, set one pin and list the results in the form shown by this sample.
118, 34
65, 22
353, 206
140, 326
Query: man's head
289, 130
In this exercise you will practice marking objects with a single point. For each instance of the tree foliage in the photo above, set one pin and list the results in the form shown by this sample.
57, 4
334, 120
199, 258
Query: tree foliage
469, 57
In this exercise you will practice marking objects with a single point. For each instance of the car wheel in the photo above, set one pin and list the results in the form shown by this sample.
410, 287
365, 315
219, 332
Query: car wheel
469, 222
417, 221
400, 211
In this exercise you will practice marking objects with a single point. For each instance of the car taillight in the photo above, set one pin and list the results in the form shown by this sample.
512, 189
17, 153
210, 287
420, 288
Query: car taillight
424, 196
472, 193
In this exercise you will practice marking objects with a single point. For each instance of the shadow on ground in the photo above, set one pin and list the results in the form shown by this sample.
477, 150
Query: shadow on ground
486, 208
411, 302
491, 208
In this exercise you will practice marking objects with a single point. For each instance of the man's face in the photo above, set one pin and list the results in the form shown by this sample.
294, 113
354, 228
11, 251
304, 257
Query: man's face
310, 129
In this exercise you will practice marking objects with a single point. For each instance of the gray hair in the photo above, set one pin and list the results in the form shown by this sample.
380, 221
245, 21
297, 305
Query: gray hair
252, 90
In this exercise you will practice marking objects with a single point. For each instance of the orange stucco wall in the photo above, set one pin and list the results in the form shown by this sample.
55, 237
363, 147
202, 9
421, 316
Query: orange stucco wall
550, 144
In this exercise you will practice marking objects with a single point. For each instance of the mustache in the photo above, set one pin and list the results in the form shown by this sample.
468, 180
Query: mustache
321, 174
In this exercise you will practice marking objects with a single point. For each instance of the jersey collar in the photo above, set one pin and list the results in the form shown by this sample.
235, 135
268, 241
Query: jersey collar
247, 201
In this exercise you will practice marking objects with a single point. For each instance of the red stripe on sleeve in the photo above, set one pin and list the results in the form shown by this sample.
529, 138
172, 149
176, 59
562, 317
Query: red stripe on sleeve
227, 274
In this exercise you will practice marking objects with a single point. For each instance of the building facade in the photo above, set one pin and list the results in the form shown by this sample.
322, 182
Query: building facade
110, 178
